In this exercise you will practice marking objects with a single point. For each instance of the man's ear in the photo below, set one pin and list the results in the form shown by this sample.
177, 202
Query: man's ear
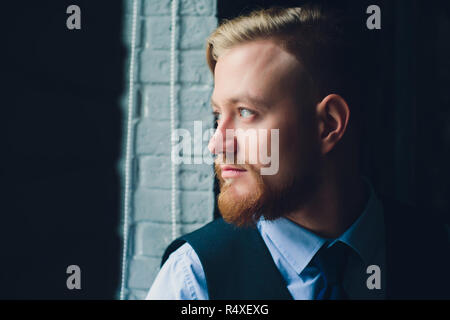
333, 114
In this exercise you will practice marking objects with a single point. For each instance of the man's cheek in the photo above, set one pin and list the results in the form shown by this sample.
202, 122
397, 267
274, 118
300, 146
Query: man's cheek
254, 146
269, 152
246, 148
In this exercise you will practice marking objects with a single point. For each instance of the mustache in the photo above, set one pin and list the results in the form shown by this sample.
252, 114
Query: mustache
218, 167
254, 172
221, 160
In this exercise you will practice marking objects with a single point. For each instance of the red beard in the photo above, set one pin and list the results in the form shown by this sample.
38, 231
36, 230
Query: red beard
240, 211
264, 200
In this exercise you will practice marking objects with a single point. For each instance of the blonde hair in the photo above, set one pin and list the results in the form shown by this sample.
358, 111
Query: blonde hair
314, 35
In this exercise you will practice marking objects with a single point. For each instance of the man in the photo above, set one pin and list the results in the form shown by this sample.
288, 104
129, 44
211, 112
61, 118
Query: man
315, 229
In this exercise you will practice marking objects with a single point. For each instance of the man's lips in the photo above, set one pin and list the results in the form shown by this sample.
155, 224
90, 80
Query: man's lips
231, 172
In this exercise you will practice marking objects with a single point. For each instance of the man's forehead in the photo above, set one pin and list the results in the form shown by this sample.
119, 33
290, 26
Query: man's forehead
259, 54
258, 68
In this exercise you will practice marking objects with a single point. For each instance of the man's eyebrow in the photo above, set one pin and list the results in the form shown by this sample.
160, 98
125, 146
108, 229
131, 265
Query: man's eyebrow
246, 99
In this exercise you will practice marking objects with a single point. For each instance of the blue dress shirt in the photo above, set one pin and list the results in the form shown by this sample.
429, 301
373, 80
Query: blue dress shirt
292, 248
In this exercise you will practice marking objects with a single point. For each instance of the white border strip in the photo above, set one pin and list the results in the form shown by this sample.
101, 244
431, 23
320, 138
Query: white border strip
172, 116
128, 153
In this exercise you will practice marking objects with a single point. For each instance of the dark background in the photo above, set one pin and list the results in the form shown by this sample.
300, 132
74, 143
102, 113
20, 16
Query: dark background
61, 132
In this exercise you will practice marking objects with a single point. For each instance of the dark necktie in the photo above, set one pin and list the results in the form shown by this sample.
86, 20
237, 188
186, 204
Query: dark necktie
331, 263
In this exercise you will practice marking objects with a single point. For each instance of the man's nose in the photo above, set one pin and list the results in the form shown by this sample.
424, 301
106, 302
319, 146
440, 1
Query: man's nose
223, 140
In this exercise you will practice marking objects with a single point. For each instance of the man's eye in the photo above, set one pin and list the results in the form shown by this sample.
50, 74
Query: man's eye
216, 116
245, 113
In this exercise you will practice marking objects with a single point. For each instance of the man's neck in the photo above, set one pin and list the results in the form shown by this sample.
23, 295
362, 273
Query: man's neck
334, 207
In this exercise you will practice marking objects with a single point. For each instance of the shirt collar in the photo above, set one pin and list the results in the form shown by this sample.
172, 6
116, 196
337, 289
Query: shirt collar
299, 245
296, 244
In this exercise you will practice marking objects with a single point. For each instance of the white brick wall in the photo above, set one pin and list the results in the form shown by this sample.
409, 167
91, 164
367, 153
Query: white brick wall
150, 225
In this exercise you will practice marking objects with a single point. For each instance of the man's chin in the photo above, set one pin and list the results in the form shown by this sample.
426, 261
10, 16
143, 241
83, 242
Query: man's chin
239, 190
238, 203
243, 200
